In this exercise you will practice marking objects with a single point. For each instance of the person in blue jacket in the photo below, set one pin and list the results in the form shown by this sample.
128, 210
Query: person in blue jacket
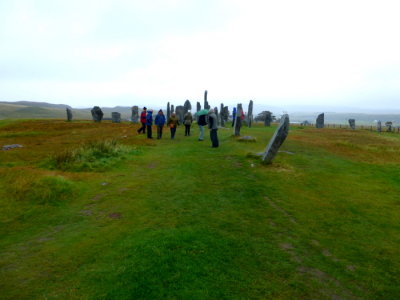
233, 116
160, 122
149, 123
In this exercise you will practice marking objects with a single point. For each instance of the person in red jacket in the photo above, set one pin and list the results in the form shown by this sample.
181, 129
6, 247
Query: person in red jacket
143, 116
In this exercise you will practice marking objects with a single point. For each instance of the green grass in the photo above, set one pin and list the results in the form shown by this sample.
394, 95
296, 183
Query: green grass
182, 220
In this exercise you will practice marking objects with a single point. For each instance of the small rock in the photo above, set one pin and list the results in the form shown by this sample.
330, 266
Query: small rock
8, 147
104, 183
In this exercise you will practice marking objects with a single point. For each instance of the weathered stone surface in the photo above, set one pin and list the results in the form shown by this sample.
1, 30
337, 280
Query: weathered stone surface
8, 147
206, 105
352, 123
135, 114
250, 114
221, 116
116, 117
238, 121
168, 111
172, 109
268, 118
247, 138
389, 126
179, 110
69, 114
277, 140
187, 106
217, 115
379, 126
320, 121
97, 114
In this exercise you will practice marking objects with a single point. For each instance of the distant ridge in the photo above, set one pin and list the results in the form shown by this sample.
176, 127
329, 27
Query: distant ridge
37, 104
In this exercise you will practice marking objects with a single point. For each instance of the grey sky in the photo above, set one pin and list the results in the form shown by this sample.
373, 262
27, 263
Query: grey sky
120, 52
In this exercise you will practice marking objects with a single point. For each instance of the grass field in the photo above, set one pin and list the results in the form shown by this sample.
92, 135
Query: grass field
95, 211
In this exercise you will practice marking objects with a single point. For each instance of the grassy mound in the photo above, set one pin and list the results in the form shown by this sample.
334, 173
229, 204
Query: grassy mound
91, 156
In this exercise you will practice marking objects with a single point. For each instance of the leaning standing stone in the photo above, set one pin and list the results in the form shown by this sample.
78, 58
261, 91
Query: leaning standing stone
277, 140
320, 121
69, 114
116, 117
97, 114
352, 123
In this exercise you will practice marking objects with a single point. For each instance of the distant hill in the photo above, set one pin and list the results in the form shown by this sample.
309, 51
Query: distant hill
44, 110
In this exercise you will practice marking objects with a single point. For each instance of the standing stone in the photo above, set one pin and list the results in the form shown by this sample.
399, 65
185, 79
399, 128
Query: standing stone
217, 115
352, 123
238, 121
250, 114
69, 114
277, 140
206, 106
116, 117
226, 113
320, 121
379, 126
97, 114
172, 109
187, 106
168, 111
135, 114
198, 107
268, 118
389, 126
180, 113
221, 116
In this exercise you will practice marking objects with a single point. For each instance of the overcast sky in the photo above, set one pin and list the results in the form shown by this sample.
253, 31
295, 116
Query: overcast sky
148, 52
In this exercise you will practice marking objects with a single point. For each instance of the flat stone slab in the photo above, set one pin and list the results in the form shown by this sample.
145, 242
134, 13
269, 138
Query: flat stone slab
8, 147
247, 138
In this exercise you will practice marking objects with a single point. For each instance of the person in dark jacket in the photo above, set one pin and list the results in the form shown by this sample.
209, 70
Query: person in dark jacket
149, 123
187, 120
143, 116
212, 124
202, 121
160, 122
173, 122
233, 116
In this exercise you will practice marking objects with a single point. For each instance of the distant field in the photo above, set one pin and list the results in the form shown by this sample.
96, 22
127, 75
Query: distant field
96, 211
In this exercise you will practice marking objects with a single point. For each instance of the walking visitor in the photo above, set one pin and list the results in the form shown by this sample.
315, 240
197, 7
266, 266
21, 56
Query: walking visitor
212, 124
187, 120
143, 116
173, 122
160, 122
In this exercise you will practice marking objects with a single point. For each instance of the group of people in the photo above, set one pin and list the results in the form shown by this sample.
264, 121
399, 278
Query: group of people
146, 119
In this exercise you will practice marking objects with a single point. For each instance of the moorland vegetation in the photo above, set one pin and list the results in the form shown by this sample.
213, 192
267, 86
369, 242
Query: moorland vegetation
96, 211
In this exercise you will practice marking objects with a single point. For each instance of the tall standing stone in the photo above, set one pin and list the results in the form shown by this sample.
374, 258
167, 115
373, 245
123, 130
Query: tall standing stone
250, 114
320, 121
168, 111
238, 121
206, 106
198, 108
172, 109
116, 117
69, 114
97, 114
179, 110
135, 114
379, 126
187, 106
277, 140
222, 116
352, 123
268, 118
217, 115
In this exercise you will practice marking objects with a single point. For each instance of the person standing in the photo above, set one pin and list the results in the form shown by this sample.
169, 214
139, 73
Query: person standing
188, 120
149, 123
160, 122
212, 124
143, 116
202, 121
173, 122
233, 116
